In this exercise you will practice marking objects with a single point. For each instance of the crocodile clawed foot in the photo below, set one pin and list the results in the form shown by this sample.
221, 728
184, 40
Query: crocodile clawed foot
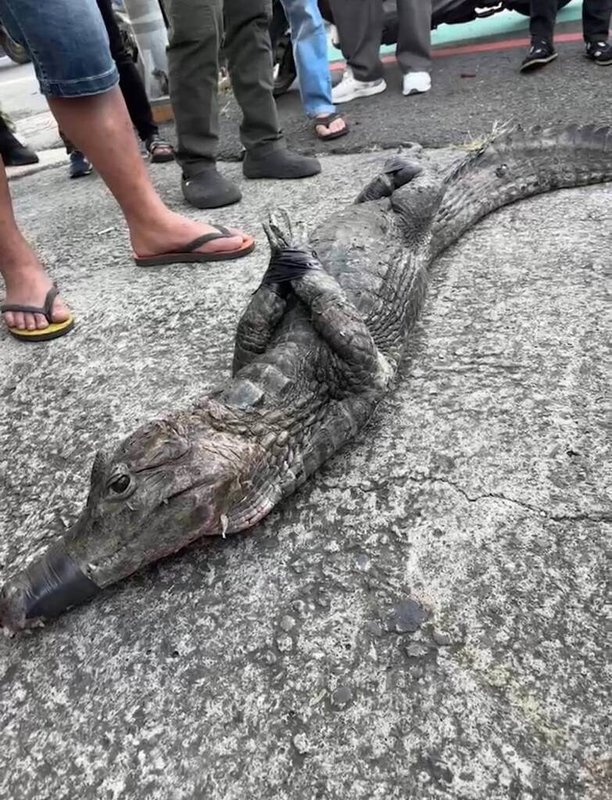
283, 234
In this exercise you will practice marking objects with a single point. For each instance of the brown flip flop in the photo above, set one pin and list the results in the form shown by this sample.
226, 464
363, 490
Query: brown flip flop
189, 254
326, 121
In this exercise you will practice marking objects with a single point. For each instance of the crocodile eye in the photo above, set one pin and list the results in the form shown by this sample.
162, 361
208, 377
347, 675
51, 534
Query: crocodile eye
120, 485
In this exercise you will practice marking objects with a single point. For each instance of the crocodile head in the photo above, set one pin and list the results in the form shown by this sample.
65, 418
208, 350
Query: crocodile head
165, 486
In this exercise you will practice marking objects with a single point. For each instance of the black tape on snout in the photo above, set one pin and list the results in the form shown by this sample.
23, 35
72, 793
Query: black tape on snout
288, 265
54, 584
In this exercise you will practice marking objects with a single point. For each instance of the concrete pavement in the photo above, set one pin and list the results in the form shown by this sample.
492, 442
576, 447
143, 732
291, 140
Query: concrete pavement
472, 91
423, 620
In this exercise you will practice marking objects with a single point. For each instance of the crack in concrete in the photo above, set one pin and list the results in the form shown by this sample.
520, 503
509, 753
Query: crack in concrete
577, 516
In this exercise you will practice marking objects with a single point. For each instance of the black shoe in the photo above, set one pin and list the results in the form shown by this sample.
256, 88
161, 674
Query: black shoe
540, 53
279, 164
209, 189
600, 53
17, 154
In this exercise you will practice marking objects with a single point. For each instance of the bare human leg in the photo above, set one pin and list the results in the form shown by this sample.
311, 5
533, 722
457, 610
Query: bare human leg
100, 127
25, 279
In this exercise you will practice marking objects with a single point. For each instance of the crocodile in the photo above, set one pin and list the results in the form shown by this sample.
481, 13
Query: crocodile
316, 349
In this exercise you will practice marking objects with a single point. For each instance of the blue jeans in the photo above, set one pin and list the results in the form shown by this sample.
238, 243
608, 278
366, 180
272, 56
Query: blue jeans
67, 42
310, 51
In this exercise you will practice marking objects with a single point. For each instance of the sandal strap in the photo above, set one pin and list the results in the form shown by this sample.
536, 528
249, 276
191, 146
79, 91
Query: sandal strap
46, 310
224, 233
158, 144
49, 300
327, 120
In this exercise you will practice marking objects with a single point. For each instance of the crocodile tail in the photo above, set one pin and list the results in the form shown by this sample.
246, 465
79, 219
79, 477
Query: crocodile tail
517, 164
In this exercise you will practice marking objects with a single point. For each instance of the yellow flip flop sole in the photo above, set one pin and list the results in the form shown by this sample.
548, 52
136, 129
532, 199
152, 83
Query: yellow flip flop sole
52, 331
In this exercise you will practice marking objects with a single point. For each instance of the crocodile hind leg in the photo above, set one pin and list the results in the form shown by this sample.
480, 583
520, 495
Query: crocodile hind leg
396, 172
332, 315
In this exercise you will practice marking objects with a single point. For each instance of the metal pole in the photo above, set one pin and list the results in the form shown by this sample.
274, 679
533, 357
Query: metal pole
150, 32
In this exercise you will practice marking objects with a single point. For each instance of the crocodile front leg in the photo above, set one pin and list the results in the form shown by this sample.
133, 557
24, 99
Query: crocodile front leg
257, 325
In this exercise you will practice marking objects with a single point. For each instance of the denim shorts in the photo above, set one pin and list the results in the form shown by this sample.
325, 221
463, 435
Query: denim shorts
67, 42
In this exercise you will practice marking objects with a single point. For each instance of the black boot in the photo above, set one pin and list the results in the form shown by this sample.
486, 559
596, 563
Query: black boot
14, 154
209, 189
280, 164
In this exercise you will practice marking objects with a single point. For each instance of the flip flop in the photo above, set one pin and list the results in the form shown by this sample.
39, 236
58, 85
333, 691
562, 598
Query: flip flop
188, 254
53, 330
326, 121
159, 150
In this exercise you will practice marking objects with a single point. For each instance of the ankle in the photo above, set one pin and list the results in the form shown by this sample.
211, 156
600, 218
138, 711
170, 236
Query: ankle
17, 257
151, 216
23, 276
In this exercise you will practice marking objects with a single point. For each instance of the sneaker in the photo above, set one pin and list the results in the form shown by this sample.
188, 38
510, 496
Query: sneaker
540, 53
79, 165
350, 88
600, 53
416, 83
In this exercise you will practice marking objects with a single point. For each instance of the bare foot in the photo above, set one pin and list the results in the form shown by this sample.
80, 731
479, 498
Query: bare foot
324, 131
176, 232
28, 285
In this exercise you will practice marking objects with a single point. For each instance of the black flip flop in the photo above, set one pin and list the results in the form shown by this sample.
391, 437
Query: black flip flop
53, 330
326, 121
188, 254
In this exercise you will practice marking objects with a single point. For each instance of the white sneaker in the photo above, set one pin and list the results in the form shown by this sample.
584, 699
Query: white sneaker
416, 83
350, 88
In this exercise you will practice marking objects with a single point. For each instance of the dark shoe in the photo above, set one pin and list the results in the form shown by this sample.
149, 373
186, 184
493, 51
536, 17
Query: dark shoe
79, 165
540, 53
18, 155
209, 189
600, 53
159, 150
279, 164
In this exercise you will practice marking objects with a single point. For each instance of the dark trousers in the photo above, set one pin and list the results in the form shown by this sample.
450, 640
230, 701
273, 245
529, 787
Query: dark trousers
130, 82
197, 30
595, 19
